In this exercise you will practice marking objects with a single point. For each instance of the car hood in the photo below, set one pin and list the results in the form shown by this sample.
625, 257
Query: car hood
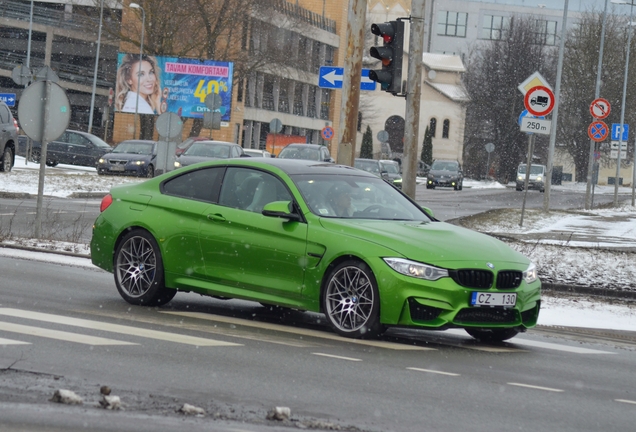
190, 160
436, 243
128, 156
443, 172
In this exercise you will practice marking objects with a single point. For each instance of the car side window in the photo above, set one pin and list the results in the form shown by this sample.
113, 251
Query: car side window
251, 190
201, 185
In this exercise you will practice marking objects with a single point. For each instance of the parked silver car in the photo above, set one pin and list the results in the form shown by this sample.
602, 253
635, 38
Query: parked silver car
8, 138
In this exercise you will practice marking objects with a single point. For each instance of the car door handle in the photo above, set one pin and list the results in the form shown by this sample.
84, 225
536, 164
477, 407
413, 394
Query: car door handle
216, 217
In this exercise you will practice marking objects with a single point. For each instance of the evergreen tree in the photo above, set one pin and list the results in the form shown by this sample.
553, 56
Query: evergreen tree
366, 149
427, 148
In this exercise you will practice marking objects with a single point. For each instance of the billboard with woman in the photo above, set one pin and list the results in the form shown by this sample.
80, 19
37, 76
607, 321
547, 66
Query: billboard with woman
171, 84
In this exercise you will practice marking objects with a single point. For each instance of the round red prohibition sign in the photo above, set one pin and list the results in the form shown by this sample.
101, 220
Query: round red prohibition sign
600, 108
598, 131
539, 101
327, 133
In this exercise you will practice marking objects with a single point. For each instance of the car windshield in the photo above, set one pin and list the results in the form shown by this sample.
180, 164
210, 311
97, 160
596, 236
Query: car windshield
100, 142
444, 166
132, 147
369, 198
300, 153
534, 169
391, 168
367, 165
209, 150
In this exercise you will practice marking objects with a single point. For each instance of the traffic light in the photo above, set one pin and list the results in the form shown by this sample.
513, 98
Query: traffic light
390, 54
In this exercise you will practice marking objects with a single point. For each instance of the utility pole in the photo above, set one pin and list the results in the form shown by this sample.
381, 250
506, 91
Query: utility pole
413, 96
351, 82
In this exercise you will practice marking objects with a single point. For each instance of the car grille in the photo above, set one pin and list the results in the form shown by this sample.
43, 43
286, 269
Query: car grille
509, 279
421, 312
117, 162
471, 278
483, 315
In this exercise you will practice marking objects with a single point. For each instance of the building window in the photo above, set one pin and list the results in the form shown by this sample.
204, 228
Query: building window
495, 27
545, 32
432, 127
239, 90
445, 128
452, 23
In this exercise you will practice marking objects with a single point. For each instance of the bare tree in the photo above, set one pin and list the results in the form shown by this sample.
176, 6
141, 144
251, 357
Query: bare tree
494, 71
579, 83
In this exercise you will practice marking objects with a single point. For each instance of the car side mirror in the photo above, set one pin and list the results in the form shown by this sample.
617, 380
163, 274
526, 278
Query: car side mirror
428, 212
281, 209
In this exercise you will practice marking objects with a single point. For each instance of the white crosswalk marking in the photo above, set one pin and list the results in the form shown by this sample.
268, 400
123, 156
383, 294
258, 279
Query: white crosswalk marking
114, 328
60, 335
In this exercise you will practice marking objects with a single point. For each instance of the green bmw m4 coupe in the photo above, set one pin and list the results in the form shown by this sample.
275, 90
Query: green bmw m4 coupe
312, 236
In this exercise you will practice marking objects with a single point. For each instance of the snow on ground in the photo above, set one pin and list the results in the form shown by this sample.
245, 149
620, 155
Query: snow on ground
590, 263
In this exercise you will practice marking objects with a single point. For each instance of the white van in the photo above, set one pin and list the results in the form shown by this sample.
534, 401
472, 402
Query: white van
537, 177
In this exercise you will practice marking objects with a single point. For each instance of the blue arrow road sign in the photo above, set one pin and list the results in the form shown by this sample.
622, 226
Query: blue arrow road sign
616, 132
8, 98
330, 77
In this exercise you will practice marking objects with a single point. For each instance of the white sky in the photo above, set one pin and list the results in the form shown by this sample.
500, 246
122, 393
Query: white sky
585, 265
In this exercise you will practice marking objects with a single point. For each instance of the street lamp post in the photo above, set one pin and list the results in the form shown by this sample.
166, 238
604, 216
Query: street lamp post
99, 41
141, 50
620, 135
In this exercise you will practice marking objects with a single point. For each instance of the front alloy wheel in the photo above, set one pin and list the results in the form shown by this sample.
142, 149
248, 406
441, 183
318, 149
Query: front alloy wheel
351, 301
7, 160
139, 270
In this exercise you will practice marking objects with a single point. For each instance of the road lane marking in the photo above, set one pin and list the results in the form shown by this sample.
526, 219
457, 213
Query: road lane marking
433, 371
114, 328
12, 342
627, 401
536, 387
298, 331
337, 357
60, 335
557, 347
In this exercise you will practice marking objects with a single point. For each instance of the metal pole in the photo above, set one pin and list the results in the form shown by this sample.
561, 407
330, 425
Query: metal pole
413, 96
29, 144
589, 197
351, 81
141, 50
634, 173
620, 136
38, 206
527, 181
555, 116
99, 41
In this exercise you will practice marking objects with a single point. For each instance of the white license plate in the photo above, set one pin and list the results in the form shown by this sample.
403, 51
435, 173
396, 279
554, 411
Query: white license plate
493, 299
117, 168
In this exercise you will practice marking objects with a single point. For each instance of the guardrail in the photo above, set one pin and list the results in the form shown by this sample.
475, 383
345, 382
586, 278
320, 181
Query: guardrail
42, 15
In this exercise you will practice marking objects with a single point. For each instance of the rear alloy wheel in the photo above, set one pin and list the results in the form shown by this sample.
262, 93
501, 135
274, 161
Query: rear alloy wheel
35, 156
351, 301
7, 160
492, 335
139, 270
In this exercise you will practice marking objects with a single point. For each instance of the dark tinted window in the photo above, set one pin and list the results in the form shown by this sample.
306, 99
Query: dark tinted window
249, 189
200, 185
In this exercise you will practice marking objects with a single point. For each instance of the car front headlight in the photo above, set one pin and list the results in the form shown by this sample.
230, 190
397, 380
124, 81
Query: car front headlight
416, 269
139, 162
530, 275
101, 160
177, 164
520, 178
538, 178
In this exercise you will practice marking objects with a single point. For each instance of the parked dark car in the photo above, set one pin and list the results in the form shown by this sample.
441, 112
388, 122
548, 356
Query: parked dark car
201, 151
445, 173
393, 171
314, 152
72, 148
132, 157
8, 138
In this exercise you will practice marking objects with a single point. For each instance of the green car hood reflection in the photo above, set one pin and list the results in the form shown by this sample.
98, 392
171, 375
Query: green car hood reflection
435, 243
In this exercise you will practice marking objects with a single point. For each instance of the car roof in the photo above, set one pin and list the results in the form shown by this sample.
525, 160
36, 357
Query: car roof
304, 145
290, 166
214, 142
138, 141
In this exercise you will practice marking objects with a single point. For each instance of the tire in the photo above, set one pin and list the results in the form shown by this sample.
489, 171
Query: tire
492, 335
7, 160
151, 172
351, 301
51, 163
519, 189
138, 270
461, 185
35, 156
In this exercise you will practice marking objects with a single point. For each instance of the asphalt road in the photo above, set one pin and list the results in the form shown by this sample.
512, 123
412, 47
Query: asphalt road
237, 360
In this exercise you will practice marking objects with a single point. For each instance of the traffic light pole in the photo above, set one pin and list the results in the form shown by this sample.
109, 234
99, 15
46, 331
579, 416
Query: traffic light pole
351, 82
413, 97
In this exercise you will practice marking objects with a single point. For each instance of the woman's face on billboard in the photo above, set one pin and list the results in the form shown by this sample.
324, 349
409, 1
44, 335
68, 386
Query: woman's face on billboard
147, 78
